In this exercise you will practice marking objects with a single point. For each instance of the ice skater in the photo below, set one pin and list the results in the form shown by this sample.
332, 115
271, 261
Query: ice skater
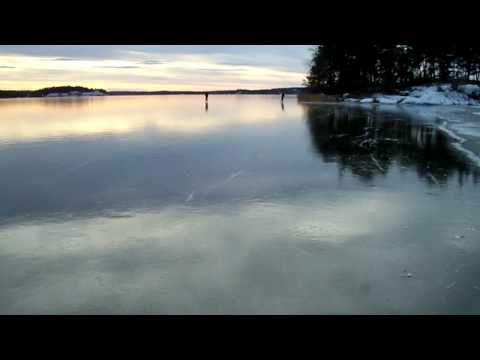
206, 97
283, 96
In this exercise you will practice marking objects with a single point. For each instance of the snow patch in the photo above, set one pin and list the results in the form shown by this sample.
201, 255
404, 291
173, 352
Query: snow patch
430, 95
366, 100
390, 99
470, 89
443, 94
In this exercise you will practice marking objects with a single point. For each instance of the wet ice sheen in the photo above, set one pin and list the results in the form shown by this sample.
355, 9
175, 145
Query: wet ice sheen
152, 205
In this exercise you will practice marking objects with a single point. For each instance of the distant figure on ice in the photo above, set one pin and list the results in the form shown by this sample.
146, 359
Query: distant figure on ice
206, 97
283, 96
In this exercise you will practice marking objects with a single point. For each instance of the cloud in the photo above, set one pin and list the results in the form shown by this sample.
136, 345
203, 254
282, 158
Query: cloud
152, 62
244, 54
6, 67
119, 67
160, 67
66, 59
61, 51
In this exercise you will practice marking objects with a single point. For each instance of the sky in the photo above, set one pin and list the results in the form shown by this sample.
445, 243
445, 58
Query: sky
153, 67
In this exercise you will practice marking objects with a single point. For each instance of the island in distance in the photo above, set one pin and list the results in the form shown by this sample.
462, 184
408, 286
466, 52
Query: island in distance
58, 91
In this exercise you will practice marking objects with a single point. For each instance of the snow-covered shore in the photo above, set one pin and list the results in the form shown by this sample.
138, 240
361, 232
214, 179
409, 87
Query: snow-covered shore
443, 94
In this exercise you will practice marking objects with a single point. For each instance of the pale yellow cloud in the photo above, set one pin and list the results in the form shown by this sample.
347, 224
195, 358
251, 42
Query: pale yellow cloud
187, 72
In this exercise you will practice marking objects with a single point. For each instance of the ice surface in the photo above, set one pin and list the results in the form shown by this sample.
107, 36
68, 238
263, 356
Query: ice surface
459, 143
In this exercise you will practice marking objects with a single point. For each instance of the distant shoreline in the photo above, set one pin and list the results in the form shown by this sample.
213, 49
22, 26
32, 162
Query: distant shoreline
60, 92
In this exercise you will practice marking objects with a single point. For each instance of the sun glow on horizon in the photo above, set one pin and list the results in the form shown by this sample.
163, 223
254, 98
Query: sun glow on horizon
137, 71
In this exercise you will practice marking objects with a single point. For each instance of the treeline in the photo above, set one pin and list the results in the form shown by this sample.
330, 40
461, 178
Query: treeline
66, 89
339, 68
46, 91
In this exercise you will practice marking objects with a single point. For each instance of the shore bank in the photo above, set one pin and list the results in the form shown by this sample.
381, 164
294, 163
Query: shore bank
433, 94
442, 94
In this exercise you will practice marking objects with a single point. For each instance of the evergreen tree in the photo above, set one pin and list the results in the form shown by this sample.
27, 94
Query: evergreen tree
339, 68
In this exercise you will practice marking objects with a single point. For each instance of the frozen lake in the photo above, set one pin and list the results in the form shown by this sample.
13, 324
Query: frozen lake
159, 205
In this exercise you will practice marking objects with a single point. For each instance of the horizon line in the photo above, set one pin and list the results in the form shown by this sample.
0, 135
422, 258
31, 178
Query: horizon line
151, 91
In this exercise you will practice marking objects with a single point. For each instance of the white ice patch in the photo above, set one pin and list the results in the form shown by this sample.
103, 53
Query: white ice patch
390, 99
377, 163
459, 144
433, 178
190, 197
470, 154
451, 133
234, 175
366, 100
467, 129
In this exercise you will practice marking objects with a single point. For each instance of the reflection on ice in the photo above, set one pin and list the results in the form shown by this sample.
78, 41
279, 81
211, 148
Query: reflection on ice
347, 218
314, 254
44, 119
369, 141
96, 258
244, 209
